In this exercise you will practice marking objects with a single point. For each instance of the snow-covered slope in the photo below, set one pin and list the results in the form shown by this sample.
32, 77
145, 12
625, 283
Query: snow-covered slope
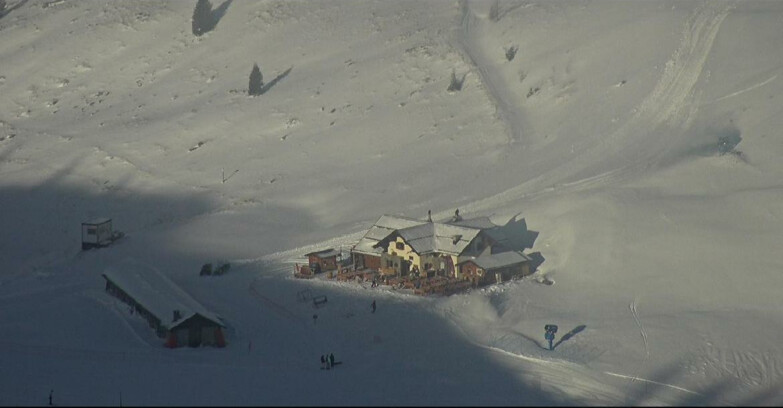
639, 140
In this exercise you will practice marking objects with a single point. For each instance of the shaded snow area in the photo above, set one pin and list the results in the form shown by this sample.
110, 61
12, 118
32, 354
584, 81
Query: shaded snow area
639, 140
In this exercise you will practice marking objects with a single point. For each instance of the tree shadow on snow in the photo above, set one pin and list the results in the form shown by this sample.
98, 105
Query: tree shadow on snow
570, 334
274, 81
220, 11
7, 11
210, 21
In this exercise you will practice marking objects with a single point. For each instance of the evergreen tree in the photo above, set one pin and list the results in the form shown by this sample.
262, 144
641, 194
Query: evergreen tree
256, 82
202, 17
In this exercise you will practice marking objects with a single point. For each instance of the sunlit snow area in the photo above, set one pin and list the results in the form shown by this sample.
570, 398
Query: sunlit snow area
639, 142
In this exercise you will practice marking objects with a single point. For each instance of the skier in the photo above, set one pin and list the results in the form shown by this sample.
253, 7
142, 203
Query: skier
373, 306
331, 359
50, 396
323, 362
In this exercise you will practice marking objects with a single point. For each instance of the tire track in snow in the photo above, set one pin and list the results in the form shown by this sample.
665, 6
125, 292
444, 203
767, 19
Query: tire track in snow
670, 103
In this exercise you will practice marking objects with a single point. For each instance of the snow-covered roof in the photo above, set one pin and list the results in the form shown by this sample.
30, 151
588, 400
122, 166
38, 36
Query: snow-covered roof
438, 237
499, 260
385, 225
478, 222
157, 293
423, 236
97, 221
326, 253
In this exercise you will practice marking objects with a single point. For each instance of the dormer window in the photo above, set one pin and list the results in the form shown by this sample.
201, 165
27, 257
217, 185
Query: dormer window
400, 246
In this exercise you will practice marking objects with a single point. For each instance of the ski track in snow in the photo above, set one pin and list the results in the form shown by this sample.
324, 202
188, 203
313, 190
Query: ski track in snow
567, 378
634, 378
750, 88
670, 103
643, 333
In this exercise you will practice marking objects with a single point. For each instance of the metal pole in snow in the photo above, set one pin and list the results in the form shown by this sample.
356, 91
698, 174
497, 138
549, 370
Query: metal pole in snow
223, 175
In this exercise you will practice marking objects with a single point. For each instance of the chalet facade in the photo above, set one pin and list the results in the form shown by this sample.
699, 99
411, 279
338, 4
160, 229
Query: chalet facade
461, 249
169, 310
366, 254
322, 261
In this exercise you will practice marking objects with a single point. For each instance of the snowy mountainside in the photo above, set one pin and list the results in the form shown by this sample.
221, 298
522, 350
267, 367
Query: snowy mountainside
640, 140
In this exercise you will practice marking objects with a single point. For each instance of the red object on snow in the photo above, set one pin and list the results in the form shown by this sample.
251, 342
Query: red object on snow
171, 340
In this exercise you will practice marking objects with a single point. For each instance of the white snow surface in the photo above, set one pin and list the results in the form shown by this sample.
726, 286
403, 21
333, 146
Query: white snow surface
639, 141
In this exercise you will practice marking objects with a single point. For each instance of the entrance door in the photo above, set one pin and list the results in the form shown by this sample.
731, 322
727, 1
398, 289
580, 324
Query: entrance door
194, 337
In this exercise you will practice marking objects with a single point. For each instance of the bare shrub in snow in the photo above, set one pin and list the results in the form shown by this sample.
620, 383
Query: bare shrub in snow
456, 83
256, 85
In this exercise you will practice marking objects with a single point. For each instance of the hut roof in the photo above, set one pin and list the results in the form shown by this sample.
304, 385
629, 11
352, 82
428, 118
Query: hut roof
437, 237
326, 253
157, 293
499, 260
385, 225
97, 221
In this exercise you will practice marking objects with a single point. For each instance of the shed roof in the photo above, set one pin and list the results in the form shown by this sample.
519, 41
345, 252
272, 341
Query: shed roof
499, 260
326, 253
157, 293
384, 226
97, 221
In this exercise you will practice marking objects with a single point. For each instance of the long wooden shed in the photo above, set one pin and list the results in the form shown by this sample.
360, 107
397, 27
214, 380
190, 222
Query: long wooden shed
168, 309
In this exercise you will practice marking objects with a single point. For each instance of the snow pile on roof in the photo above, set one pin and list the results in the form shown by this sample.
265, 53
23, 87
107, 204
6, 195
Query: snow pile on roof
499, 260
156, 293
385, 225
437, 237
326, 253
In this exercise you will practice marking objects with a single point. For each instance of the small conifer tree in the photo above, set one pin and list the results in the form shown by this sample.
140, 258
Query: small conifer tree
255, 87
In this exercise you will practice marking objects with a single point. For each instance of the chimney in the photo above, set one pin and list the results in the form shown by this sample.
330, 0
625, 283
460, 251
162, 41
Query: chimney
177, 315
429, 215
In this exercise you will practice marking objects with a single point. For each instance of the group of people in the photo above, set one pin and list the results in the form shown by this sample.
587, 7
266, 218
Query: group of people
327, 361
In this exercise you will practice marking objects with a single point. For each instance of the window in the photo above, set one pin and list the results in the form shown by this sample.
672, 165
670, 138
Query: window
90, 231
400, 246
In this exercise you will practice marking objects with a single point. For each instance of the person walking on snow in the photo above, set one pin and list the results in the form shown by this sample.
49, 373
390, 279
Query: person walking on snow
373, 306
323, 362
331, 359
